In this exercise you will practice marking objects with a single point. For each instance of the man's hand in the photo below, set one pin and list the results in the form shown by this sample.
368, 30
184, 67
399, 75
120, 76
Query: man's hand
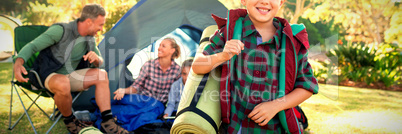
232, 47
92, 57
19, 69
264, 112
166, 115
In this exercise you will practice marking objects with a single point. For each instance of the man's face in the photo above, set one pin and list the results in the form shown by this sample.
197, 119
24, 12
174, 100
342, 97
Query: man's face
96, 25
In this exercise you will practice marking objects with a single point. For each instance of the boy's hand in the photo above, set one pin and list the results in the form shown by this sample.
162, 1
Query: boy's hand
166, 115
263, 113
232, 47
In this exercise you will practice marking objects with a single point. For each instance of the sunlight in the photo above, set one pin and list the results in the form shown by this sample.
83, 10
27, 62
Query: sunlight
372, 121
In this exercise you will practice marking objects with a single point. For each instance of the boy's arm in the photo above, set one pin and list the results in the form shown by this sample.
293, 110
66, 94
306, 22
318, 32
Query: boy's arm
265, 111
205, 63
305, 86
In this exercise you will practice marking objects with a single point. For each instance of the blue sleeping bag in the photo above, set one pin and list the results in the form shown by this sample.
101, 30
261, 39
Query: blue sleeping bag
133, 111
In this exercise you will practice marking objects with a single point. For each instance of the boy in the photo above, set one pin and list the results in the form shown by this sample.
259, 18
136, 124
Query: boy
177, 89
253, 85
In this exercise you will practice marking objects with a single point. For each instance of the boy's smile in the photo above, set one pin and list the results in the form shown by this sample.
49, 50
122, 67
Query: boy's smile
262, 11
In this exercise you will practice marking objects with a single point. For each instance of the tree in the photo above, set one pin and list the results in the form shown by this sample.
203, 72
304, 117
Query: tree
365, 20
295, 8
394, 32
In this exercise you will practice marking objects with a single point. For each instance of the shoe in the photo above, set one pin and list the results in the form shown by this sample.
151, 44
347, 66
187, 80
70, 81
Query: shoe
75, 126
110, 127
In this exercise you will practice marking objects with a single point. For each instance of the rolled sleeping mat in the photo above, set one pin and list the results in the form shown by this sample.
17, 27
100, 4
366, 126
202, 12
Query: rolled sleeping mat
90, 130
199, 108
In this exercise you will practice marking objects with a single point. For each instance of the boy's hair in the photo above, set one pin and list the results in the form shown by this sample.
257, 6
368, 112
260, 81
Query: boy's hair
187, 63
91, 11
174, 45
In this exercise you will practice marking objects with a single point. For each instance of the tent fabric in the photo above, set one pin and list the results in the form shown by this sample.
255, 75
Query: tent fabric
7, 26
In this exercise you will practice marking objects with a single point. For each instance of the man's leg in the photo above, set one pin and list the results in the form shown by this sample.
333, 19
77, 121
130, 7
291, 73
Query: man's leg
60, 86
99, 78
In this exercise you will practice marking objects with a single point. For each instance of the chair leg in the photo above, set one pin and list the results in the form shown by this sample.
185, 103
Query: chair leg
26, 112
11, 106
34, 102
29, 107
54, 124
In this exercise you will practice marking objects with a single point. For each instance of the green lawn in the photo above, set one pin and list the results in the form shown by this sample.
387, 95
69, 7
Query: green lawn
334, 110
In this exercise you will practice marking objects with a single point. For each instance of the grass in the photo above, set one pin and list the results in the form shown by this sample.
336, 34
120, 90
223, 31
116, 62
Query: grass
41, 122
353, 110
335, 109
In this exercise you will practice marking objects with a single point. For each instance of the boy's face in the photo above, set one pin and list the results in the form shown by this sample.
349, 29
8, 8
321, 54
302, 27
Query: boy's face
184, 73
262, 11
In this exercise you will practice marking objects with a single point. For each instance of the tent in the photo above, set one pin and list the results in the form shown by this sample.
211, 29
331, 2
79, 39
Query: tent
7, 25
140, 29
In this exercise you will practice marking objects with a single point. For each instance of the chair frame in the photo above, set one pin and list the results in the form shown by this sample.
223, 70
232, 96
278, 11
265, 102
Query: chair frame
55, 116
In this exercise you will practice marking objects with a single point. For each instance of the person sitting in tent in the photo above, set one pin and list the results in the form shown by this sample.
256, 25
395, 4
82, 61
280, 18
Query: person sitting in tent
157, 75
177, 89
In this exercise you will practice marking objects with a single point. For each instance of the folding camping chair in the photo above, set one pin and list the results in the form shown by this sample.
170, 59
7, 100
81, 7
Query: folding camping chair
23, 35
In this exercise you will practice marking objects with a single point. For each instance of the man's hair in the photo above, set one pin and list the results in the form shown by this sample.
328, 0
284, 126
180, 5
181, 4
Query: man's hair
174, 45
187, 63
92, 11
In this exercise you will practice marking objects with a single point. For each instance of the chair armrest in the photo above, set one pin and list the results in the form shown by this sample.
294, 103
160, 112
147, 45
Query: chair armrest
37, 77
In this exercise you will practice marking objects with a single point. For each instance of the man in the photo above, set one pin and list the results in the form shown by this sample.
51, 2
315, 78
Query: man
65, 48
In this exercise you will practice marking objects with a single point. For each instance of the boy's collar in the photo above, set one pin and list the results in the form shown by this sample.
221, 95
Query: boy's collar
249, 27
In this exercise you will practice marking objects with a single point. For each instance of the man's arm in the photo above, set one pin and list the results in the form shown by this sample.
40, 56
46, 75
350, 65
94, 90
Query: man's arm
46, 39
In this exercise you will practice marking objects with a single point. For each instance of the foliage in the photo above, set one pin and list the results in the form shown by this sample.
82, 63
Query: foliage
354, 55
232, 4
369, 64
115, 9
394, 32
43, 14
366, 20
294, 9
